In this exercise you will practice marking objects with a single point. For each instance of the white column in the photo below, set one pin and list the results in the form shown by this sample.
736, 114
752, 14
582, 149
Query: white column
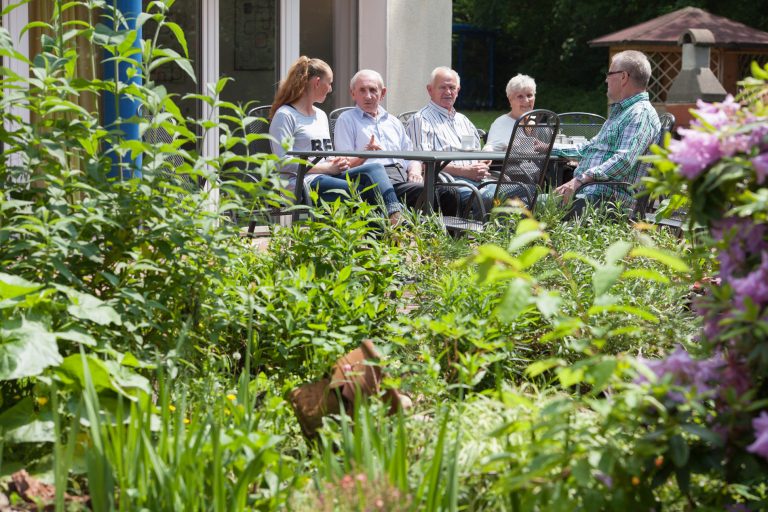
290, 15
209, 75
15, 21
372, 43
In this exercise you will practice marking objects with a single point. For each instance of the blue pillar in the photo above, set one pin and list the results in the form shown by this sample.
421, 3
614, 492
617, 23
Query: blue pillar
122, 18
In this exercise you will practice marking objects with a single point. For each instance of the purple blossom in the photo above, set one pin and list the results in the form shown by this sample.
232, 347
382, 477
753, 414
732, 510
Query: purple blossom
754, 285
732, 144
743, 240
695, 152
760, 426
685, 371
759, 135
718, 114
605, 479
760, 164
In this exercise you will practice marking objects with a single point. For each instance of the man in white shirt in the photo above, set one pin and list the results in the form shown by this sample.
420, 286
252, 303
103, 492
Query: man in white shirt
370, 127
438, 127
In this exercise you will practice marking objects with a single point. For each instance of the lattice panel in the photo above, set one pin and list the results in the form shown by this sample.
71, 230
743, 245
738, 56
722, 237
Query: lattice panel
745, 63
664, 69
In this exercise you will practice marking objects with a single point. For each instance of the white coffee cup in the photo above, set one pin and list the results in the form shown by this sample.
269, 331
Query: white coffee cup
467, 142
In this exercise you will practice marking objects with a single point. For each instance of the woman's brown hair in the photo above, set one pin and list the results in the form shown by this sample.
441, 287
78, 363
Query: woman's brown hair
294, 85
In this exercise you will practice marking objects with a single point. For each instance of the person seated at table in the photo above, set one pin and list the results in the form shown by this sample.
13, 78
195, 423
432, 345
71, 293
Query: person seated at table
438, 127
370, 127
294, 116
521, 93
612, 155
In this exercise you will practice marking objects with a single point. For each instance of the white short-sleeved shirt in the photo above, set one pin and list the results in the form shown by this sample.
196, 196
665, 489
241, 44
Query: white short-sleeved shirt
308, 133
500, 132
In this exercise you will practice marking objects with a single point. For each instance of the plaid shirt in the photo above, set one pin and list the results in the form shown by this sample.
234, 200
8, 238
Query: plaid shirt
612, 154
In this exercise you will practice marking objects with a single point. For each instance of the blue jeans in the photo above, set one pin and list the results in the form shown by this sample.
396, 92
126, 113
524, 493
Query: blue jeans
369, 174
467, 197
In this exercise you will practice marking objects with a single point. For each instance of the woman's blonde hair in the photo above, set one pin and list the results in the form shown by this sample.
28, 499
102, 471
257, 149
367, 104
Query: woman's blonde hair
293, 86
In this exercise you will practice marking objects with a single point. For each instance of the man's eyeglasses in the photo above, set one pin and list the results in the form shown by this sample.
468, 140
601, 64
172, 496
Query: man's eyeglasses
614, 72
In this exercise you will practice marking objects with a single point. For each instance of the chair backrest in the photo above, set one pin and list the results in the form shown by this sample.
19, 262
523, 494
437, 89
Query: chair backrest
643, 202
527, 157
260, 125
667, 120
406, 116
157, 135
334, 115
580, 124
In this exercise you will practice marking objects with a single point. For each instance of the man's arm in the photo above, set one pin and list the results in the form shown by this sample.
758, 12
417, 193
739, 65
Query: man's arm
632, 142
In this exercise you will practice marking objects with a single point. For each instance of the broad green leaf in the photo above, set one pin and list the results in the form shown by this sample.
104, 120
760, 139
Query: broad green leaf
180, 37
26, 349
616, 252
524, 238
497, 253
678, 450
344, 274
532, 255
87, 307
630, 310
22, 424
601, 373
645, 273
570, 375
516, 299
77, 337
537, 368
14, 286
548, 303
72, 367
668, 259
604, 277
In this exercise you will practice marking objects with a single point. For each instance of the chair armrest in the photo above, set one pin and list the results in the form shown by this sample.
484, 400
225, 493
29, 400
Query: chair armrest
475, 192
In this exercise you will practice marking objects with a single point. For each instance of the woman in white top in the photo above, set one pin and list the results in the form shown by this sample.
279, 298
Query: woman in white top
521, 93
294, 116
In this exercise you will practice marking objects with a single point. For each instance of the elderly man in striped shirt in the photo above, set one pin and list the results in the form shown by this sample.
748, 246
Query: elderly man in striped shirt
371, 127
612, 155
438, 127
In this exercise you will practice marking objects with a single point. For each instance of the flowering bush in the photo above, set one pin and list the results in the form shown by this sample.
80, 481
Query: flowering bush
719, 166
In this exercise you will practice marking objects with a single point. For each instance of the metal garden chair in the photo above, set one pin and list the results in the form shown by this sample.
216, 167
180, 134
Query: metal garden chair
638, 210
522, 172
334, 116
282, 213
580, 124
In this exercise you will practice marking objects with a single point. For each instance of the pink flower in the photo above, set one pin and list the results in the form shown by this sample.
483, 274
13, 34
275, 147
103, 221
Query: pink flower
760, 164
695, 152
754, 285
717, 114
733, 144
760, 426
759, 136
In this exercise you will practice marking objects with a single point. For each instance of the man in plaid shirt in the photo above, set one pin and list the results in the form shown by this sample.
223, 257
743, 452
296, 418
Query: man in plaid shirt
631, 127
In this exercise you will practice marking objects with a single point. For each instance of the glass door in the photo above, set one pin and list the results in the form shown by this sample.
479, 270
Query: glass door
248, 50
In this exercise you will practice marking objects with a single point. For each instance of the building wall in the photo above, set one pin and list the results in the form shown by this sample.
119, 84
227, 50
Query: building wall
419, 41
405, 40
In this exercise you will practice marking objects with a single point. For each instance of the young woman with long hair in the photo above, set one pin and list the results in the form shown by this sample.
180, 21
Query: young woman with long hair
294, 115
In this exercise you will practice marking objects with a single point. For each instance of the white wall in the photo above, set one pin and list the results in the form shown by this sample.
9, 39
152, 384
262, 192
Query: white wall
15, 21
419, 41
405, 40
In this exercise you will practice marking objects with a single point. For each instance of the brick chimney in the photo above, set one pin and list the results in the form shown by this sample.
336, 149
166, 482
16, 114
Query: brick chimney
695, 79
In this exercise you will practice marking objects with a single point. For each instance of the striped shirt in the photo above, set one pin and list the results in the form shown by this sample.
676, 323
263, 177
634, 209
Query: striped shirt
613, 153
434, 128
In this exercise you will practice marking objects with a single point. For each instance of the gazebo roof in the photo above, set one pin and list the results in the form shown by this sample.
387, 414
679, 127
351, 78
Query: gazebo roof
665, 30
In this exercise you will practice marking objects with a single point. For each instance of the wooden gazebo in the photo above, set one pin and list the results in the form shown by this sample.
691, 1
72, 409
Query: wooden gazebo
736, 46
